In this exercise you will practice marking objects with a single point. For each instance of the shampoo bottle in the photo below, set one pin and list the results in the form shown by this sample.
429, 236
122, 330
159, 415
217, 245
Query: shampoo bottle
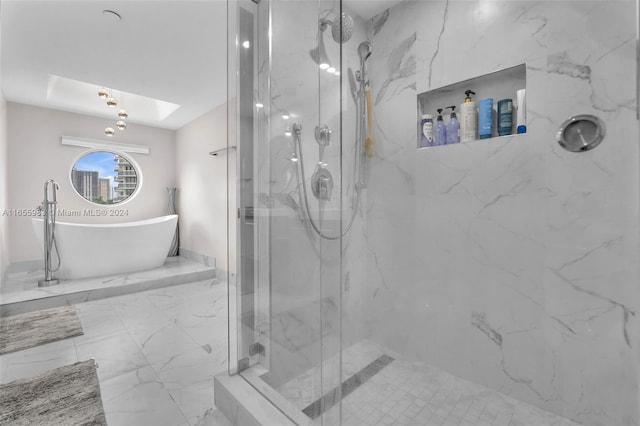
453, 127
468, 118
441, 130
485, 118
426, 138
505, 117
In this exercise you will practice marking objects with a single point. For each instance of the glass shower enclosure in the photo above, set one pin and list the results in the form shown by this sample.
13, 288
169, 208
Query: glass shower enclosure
382, 279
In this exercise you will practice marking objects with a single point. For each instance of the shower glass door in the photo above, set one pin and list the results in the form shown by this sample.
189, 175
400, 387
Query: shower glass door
286, 95
489, 281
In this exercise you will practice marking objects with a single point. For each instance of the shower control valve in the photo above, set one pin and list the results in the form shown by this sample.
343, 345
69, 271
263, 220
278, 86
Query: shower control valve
322, 183
324, 193
323, 135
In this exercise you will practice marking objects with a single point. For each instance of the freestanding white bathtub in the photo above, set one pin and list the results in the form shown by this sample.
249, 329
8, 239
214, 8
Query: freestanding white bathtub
93, 250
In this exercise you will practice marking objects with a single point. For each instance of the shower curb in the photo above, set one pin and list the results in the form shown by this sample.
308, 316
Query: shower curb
243, 405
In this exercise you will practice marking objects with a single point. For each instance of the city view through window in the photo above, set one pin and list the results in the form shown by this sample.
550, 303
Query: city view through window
104, 177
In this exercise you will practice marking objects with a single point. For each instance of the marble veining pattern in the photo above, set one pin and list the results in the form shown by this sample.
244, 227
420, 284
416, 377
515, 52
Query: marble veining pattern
509, 262
157, 352
413, 393
514, 251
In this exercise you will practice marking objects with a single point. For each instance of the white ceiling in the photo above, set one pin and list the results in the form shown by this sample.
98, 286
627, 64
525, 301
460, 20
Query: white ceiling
172, 51
169, 50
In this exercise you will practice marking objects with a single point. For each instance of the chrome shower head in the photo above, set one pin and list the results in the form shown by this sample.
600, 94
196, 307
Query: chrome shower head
364, 50
342, 29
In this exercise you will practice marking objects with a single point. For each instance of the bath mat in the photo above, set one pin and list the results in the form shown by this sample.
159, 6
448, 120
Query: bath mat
68, 395
24, 331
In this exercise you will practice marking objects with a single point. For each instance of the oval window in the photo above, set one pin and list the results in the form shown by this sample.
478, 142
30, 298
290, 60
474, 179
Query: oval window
104, 177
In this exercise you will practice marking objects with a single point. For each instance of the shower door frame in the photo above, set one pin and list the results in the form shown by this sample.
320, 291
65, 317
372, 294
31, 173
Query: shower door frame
252, 311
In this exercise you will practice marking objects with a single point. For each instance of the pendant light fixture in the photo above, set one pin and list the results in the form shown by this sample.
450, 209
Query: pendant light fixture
112, 102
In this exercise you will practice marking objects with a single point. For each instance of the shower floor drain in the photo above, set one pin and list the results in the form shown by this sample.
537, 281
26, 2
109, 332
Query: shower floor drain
331, 398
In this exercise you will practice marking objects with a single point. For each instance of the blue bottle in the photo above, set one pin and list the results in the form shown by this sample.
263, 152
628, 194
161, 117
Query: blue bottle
453, 127
505, 117
441, 130
485, 118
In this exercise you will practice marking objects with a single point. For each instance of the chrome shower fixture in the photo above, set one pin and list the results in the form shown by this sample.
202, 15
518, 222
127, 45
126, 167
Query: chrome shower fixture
319, 54
341, 31
48, 208
364, 50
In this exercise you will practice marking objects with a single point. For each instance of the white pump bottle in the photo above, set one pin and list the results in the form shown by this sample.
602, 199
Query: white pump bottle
468, 118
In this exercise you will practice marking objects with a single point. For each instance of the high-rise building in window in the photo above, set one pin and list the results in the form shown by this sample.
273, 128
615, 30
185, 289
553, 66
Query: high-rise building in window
105, 190
86, 183
126, 178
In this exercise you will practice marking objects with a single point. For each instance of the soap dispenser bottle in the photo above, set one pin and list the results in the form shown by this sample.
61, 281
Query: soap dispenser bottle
441, 130
468, 118
426, 134
453, 127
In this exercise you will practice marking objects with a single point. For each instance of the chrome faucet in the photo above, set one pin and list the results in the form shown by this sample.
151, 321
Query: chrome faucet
50, 244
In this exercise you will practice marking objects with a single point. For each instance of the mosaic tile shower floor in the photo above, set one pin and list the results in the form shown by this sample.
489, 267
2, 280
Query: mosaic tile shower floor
416, 394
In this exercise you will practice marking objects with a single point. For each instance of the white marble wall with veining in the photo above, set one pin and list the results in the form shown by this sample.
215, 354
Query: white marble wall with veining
510, 262
303, 277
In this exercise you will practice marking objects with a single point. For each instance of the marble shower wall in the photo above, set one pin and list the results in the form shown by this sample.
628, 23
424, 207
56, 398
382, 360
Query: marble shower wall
302, 272
510, 261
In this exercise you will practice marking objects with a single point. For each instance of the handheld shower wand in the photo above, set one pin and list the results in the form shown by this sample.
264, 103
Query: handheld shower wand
361, 95
364, 51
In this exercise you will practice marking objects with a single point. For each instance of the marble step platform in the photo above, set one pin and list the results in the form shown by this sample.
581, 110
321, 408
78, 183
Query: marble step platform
21, 293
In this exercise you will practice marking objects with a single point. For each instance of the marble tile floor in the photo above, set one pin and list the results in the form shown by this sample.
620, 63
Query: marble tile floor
20, 292
413, 393
157, 353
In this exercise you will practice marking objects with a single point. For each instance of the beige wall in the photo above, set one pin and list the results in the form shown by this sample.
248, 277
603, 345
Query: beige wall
202, 190
4, 222
35, 154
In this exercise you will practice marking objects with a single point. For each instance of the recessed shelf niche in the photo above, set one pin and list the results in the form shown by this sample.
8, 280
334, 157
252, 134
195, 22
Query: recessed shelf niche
498, 85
